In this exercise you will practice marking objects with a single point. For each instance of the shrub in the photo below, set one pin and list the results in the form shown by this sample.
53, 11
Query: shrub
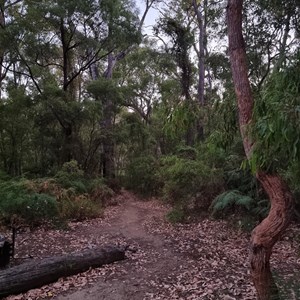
71, 176
261, 208
78, 208
186, 152
99, 192
114, 184
185, 180
17, 206
176, 215
72, 169
211, 153
4, 176
73, 205
229, 200
244, 210
140, 175
34, 202
67, 196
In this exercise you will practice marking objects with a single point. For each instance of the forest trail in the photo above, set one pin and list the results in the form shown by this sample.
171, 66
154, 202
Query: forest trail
190, 261
154, 260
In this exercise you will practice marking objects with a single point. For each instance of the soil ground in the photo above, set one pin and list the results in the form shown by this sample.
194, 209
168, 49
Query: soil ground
207, 260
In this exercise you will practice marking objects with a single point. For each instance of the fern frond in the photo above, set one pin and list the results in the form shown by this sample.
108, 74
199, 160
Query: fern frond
228, 199
243, 200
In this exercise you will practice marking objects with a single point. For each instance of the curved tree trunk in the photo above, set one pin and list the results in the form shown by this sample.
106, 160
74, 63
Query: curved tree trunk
267, 233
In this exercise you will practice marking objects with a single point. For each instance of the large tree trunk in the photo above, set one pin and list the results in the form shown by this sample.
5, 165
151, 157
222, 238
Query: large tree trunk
267, 233
34, 274
67, 147
108, 158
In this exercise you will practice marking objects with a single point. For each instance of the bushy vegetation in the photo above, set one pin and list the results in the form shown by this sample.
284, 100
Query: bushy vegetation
176, 215
185, 180
141, 175
229, 200
208, 179
142, 124
70, 176
181, 179
66, 196
19, 206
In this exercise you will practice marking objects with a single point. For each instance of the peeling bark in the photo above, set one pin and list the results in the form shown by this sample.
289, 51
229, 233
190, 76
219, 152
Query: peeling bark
267, 233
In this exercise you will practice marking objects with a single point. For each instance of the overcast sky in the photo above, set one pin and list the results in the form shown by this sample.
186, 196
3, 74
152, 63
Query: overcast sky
151, 16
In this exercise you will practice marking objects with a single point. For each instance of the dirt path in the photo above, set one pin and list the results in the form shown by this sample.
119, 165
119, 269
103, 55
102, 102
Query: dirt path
131, 278
196, 261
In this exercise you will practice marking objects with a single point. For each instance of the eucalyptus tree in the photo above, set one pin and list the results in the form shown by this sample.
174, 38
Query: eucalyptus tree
207, 57
267, 233
54, 45
16, 117
142, 72
201, 21
200, 10
9, 32
123, 29
142, 75
125, 33
56, 55
270, 31
60, 42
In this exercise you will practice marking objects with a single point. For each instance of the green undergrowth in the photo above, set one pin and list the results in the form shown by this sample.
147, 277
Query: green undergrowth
185, 179
141, 175
66, 196
176, 215
19, 206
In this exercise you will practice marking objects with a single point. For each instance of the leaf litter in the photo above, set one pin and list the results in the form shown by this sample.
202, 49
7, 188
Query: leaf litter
205, 260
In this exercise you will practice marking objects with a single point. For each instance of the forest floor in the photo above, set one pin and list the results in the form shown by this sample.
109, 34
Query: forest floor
207, 260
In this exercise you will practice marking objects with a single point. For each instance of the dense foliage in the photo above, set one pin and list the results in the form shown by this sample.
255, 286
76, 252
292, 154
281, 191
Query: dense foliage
89, 99
53, 201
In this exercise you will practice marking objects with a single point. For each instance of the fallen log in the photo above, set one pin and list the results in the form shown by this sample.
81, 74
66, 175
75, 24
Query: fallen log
36, 273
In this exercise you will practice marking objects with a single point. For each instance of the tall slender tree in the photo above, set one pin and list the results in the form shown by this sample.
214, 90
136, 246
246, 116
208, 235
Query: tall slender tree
267, 233
200, 13
125, 29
